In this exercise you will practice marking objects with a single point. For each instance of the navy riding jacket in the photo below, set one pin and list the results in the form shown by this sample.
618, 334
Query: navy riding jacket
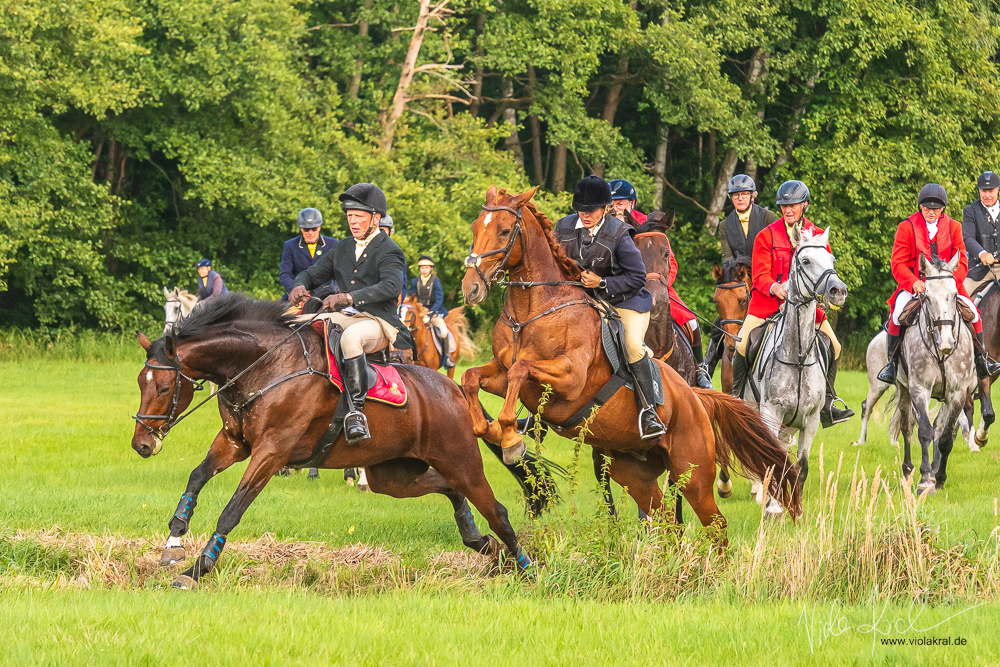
295, 259
437, 296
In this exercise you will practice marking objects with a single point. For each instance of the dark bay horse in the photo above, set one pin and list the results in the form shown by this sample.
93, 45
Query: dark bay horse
989, 310
549, 336
277, 413
732, 298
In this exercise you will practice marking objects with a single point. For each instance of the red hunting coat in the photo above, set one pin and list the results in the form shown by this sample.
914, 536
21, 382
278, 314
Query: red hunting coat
913, 240
772, 261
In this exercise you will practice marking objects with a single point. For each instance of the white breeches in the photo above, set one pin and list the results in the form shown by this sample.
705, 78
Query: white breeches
906, 297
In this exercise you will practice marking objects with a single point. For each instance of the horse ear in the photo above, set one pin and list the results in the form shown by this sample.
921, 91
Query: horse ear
491, 196
824, 238
668, 218
170, 346
953, 264
166, 294
923, 262
524, 197
143, 340
717, 272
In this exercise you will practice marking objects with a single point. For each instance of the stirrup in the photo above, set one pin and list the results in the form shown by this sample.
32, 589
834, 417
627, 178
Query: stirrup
358, 418
826, 416
661, 430
884, 372
701, 373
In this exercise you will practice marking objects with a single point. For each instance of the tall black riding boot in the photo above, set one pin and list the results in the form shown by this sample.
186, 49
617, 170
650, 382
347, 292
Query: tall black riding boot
985, 367
740, 373
831, 414
701, 376
714, 353
888, 374
650, 425
446, 359
355, 390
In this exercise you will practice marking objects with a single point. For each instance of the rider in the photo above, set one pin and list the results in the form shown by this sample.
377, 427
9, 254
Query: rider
682, 314
623, 198
928, 232
429, 293
979, 227
737, 234
612, 269
772, 260
368, 267
301, 252
210, 283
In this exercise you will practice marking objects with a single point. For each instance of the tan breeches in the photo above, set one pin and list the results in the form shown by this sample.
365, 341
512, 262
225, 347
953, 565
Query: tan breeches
635, 333
751, 322
439, 325
363, 334
972, 285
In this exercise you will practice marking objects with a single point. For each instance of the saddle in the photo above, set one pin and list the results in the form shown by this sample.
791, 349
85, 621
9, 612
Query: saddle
911, 314
756, 343
982, 292
386, 385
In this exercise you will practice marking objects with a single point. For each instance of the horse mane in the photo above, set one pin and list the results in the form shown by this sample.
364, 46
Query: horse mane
567, 266
731, 269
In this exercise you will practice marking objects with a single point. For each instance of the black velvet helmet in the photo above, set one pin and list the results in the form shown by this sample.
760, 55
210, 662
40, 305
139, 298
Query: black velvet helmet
933, 195
590, 194
310, 218
988, 180
364, 197
792, 192
741, 183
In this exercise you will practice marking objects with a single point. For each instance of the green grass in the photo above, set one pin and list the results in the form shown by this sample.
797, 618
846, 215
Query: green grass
65, 461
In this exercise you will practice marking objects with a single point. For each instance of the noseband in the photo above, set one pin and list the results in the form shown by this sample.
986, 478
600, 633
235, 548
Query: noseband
473, 260
171, 419
812, 287
732, 286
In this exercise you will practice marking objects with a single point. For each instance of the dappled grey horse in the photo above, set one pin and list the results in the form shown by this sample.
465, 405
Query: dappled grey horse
875, 361
790, 370
937, 362
178, 306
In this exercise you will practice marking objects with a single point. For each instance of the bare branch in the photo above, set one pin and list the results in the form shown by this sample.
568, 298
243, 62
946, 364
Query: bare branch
331, 25
435, 96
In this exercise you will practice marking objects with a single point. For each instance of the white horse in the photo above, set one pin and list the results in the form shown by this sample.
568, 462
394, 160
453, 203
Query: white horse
178, 306
790, 371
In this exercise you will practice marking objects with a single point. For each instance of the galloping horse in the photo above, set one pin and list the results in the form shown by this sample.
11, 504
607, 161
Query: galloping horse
549, 336
426, 353
179, 305
937, 363
275, 409
790, 370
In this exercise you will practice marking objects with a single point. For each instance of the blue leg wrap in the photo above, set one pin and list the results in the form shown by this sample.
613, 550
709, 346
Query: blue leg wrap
185, 508
524, 563
214, 547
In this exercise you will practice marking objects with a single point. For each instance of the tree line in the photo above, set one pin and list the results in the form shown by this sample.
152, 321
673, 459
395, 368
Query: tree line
140, 135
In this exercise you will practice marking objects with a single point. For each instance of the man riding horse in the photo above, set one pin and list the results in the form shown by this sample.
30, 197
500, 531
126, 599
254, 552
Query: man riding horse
773, 249
430, 294
369, 270
612, 270
979, 229
301, 252
737, 234
929, 232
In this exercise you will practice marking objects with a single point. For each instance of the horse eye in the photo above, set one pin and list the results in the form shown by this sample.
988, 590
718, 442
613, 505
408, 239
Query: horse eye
505, 232
162, 391
806, 261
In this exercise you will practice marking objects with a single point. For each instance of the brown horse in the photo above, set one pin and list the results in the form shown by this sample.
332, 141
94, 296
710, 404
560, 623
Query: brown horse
279, 410
548, 338
426, 353
732, 298
989, 310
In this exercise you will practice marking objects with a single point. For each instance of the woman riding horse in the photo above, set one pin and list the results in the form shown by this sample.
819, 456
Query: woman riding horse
612, 269
428, 291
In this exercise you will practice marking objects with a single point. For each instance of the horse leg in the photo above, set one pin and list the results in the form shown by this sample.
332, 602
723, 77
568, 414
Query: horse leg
986, 412
602, 465
925, 434
556, 372
493, 377
640, 480
727, 372
945, 441
875, 391
904, 406
699, 490
262, 467
224, 452
725, 485
410, 478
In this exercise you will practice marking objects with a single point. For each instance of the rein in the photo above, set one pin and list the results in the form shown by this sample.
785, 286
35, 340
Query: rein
172, 421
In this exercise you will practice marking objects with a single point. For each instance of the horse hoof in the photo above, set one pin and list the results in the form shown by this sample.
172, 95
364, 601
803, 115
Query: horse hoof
926, 490
512, 455
494, 433
184, 583
725, 490
974, 448
172, 555
492, 548
857, 444
982, 441
363, 488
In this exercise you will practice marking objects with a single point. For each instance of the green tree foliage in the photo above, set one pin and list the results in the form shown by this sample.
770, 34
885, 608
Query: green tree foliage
139, 135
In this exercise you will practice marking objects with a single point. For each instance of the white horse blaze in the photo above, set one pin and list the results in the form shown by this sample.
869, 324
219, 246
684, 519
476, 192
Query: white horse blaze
149, 376
486, 220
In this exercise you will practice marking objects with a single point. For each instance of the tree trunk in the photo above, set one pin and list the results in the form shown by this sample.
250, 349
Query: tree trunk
512, 142
405, 77
786, 153
559, 167
536, 131
612, 101
359, 63
659, 169
757, 64
477, 85
751, 169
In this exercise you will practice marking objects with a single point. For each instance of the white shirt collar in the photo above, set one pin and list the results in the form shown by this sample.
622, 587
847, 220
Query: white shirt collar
360, 245
593, 230
994, 210
932, 228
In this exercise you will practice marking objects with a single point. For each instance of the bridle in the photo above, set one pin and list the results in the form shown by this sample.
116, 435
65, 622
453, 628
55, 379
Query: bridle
473, 260
811, 291
176, 312
939, 324
733, 286
171, 418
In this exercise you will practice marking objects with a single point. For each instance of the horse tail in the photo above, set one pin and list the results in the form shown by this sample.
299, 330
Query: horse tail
895, 423
741, 433
456, 320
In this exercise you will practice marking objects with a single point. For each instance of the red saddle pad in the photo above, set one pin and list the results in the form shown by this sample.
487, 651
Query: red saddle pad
389, 387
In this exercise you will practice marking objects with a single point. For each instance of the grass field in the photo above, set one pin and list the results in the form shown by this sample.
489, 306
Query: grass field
82, 517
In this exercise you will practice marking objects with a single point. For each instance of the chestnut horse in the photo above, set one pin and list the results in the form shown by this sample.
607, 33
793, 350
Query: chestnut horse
548, 337
426, 353
732, 298
276, 413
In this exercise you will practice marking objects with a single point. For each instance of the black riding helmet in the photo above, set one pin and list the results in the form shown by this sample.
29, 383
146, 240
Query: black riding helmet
364, 197
988, 180
792, 192
932, 195
590, 194
310, 218
741, 183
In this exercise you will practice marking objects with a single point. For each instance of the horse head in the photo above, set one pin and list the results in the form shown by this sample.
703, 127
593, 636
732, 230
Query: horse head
812, 276
732, 296
165, 393
655, 250
172, 309
411, 312
941, 300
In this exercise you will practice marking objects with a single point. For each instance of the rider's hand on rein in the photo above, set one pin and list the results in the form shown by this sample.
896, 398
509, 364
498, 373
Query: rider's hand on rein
919, 287
336, 302
298, 295
590, 279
